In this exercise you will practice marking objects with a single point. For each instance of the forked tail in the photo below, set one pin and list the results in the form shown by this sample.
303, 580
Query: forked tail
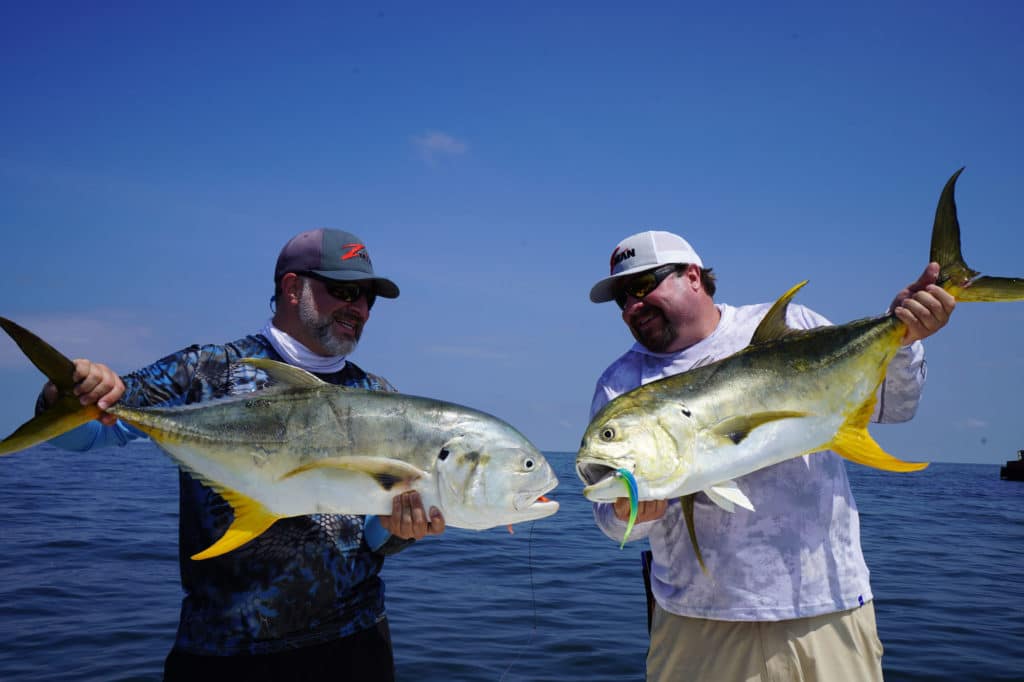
67, 413
965, 284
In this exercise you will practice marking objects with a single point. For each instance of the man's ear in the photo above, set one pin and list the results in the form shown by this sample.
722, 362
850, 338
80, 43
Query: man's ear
291, 288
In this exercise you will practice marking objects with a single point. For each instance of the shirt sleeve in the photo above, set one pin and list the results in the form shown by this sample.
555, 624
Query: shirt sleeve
902, 386
614, 528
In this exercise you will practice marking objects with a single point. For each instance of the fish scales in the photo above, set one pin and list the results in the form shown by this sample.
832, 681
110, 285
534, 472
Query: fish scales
301, 446
789, 393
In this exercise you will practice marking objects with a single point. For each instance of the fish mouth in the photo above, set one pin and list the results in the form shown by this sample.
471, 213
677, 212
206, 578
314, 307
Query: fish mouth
592, 473
534, 503
603, 482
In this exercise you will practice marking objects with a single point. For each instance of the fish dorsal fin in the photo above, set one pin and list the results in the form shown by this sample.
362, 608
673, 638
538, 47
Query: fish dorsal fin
853, 442
686, 502
386, 471
773, 325
251, 520
728, 496
739, 427
284, 374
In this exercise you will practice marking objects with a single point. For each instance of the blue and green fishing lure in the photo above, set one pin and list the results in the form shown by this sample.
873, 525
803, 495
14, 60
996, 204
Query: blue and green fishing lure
627, 480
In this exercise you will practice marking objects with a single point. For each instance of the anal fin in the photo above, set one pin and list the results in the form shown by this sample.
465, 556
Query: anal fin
853, 442
251, 520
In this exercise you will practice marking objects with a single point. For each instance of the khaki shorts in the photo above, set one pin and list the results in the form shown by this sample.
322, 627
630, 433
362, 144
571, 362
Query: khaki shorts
830, 648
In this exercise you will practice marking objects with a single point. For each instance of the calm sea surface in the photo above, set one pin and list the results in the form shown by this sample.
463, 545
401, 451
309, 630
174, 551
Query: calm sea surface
89, 579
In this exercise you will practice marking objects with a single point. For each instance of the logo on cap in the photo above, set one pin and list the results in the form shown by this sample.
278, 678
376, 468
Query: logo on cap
354, 251
618, 257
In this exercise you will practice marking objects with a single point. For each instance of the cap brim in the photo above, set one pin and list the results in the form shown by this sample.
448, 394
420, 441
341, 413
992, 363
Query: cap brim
382, 285
604, 290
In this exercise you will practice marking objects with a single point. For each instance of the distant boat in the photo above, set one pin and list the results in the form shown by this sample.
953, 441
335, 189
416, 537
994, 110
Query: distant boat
1014, 470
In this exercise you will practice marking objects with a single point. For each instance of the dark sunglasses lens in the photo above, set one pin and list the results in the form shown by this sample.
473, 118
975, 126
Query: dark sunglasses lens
345, 292
350, 292
641, 285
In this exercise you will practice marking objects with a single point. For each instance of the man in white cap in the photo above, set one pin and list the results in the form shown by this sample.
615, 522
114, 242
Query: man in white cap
786, 595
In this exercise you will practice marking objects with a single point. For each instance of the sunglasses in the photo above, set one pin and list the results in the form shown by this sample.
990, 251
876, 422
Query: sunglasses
640, 285
348, 292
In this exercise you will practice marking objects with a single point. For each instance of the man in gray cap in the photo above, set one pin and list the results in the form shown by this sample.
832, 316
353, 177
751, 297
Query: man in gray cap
786, 594
304, 600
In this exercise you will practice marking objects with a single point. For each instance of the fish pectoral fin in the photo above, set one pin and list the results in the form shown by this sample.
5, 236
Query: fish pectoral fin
856, 444
251, 520
386, 471
739, 427
773, 324
728, 496
686, 502
285, 374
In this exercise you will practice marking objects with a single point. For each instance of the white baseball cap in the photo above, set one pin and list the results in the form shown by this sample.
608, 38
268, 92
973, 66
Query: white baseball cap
643, 251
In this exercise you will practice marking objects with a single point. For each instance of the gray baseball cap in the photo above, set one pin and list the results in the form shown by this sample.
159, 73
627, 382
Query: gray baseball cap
643, 251
333, 254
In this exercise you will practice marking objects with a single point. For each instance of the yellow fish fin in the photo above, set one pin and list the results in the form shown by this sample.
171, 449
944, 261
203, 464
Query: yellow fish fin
686, 502
67, 413
854, 443
739, 427
285, 374
991, 290
387, 472
773, 324
955, 276
251, 520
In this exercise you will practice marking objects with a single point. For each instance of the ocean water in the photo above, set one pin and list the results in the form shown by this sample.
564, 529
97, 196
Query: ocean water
89, 586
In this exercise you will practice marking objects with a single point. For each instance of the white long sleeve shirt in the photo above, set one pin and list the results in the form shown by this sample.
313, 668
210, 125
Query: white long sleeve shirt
798, 554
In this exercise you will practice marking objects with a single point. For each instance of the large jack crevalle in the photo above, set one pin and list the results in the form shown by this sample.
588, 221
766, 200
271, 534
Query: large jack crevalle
787, 394
303, 446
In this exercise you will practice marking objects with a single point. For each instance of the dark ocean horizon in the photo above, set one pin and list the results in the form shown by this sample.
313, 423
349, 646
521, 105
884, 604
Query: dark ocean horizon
89, 578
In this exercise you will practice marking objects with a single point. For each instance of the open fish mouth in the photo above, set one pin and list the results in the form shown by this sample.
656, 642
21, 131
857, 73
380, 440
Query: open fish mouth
593, 473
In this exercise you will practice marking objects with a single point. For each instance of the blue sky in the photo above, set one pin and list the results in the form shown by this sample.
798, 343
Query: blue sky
154, 159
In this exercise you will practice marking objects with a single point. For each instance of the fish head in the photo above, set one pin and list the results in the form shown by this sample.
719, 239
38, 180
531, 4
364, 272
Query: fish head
488, 476
646, 440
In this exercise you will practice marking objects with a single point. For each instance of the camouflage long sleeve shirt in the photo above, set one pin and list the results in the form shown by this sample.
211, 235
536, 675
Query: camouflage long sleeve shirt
306, 580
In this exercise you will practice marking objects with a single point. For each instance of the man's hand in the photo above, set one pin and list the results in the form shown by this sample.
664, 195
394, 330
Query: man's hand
409, 520
923, 306
647, 510
95, 383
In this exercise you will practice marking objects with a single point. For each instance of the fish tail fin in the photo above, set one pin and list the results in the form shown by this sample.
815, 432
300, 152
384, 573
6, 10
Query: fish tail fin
965, 284
67, 413
251, 520
853, 442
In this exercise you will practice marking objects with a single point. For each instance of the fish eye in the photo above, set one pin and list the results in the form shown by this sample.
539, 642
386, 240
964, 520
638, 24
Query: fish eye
528, 463
607, 433
443, 455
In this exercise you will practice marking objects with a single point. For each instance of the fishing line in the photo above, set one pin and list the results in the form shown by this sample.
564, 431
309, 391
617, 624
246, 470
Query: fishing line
533, 601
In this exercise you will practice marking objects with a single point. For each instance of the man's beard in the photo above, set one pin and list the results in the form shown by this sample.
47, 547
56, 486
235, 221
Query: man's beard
657, 340
322, 326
